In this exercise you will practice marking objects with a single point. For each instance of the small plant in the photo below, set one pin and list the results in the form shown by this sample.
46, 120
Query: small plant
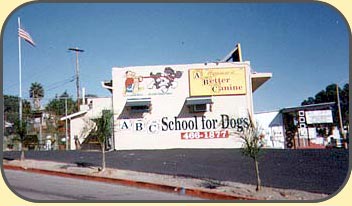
102, 130
253, 142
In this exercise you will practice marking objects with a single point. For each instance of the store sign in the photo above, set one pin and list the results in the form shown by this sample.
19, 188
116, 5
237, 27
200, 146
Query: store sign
319, 116
190, 128
213, 82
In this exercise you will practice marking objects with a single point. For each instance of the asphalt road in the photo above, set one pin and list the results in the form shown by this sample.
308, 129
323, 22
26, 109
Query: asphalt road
38, 187
321, 171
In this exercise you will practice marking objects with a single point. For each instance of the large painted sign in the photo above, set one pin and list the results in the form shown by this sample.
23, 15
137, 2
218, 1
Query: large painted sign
189, 128
151, 83
219, 81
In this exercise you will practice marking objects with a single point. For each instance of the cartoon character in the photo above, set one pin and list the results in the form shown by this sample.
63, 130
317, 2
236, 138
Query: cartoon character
171, 75
129, 81
132, 82
166, 80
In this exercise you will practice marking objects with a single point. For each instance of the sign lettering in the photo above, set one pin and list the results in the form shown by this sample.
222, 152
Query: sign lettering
225, 81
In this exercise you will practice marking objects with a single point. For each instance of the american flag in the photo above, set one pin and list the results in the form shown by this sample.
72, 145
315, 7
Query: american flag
23, 34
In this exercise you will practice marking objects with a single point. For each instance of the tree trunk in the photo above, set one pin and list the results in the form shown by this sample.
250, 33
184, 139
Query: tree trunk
22, 152
259, 187
103, 157
22, 155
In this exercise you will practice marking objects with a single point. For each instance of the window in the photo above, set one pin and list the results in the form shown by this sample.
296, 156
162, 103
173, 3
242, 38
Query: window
198, 108
140, 109
199, 104
139, 105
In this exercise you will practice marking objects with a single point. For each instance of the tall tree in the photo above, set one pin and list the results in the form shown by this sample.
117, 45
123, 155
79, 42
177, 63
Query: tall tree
57, 106
344, 101
308, 101
36, 92
11, 107
102, 130
330, 95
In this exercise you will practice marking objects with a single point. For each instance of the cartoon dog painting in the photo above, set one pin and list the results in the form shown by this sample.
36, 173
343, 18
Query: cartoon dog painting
161, 81
166, 80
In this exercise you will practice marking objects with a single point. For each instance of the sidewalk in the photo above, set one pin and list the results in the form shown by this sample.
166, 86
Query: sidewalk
204, 188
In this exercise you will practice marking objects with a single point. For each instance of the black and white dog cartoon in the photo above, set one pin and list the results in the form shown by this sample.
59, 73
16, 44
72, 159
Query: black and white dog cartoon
166, 80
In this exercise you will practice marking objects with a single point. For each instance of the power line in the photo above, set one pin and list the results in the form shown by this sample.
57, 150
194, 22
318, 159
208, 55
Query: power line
77, 51
60, 83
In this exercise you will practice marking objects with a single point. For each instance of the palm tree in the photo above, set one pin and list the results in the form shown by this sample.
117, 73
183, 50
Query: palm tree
102, 130
36, 92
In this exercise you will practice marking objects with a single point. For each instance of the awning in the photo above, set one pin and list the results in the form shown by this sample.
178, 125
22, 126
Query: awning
310, 107
138, 102
258, 79
107, 85
198, 100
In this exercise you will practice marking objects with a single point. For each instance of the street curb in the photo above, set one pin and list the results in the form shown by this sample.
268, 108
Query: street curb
166, 188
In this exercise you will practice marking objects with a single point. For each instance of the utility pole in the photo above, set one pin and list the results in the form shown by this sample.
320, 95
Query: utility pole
340, 116
66, 132
77, 50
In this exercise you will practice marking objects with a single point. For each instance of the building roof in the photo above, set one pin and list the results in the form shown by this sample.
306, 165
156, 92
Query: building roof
107, 85
258, 79
326, 105
235, 54
74, 115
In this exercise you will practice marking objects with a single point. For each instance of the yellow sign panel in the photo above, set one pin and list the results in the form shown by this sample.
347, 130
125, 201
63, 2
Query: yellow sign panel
213, 82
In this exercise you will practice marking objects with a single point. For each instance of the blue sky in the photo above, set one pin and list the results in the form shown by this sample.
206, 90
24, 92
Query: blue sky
304, 45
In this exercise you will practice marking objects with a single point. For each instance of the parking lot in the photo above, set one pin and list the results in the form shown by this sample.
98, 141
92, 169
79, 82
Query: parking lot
314, 170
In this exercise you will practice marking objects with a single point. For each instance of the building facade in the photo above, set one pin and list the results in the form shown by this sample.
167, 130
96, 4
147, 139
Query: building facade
272, 127
183, 106
80, 123
302, 127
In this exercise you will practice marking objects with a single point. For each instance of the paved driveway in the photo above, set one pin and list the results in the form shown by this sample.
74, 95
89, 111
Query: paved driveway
322, 171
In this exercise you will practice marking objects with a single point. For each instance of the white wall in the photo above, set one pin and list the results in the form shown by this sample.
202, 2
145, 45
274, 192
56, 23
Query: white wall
79, 125
172, 104
77, 129
98, 105
271, 124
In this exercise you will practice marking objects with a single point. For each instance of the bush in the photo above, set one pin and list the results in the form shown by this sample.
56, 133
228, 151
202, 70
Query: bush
30, 141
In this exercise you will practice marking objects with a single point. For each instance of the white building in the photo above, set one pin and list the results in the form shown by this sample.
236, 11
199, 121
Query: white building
271, 125
80, 122
183, 106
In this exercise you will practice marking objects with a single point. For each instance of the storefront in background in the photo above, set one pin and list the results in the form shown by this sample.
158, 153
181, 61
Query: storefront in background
310, 126
183, 106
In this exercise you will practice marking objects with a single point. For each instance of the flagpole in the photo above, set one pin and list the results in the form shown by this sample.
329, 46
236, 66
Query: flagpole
20, 70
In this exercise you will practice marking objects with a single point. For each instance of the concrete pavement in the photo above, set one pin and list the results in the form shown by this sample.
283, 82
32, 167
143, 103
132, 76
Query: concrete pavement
203, 188
40, 187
